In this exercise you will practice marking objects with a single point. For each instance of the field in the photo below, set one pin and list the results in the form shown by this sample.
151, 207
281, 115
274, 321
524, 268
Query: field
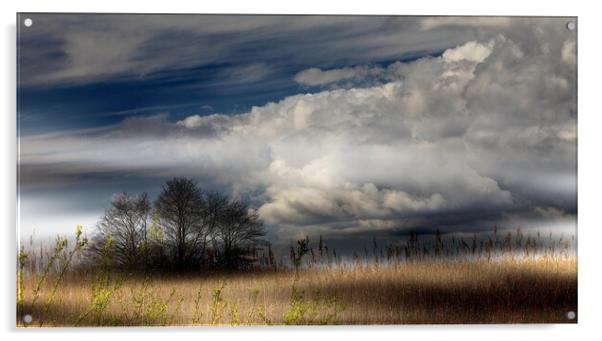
507, 289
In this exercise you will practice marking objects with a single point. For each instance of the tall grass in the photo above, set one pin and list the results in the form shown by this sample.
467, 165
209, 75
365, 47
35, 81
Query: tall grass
508, 277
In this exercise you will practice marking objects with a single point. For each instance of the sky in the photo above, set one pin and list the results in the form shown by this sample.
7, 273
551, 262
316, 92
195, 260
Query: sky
351, 127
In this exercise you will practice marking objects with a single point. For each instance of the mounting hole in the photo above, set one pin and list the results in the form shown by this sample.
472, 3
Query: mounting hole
571, 315
571, 25
27, 318
28, 22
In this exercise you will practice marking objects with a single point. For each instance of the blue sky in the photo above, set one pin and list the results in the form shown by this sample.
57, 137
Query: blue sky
312, 119
201, 90
258, 69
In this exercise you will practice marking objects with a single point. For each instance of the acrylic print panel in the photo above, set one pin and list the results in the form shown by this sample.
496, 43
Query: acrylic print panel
282, 170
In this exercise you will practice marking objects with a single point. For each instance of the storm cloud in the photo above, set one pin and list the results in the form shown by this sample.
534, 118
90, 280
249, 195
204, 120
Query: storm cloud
395, 123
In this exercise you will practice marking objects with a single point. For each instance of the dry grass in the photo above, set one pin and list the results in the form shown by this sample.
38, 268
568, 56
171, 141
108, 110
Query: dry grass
513, 290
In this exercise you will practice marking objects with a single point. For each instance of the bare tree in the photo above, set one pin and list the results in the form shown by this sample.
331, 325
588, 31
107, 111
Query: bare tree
125, 223
238, 231
215, 205
144, 207
181, 211
179, 229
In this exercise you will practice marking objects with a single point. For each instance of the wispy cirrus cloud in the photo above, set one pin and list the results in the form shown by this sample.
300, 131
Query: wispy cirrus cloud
70, 48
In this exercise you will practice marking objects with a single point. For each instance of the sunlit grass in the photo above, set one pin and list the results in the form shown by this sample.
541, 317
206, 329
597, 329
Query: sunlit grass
520, 290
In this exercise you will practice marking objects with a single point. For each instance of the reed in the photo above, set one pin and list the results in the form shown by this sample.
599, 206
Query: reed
499, 278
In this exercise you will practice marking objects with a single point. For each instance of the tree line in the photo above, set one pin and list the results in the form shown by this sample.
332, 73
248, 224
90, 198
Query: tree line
184, 228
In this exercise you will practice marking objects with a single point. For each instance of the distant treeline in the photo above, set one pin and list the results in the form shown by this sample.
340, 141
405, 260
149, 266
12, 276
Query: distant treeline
185, 228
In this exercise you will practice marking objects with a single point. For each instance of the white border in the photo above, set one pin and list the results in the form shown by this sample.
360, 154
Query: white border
590, 140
